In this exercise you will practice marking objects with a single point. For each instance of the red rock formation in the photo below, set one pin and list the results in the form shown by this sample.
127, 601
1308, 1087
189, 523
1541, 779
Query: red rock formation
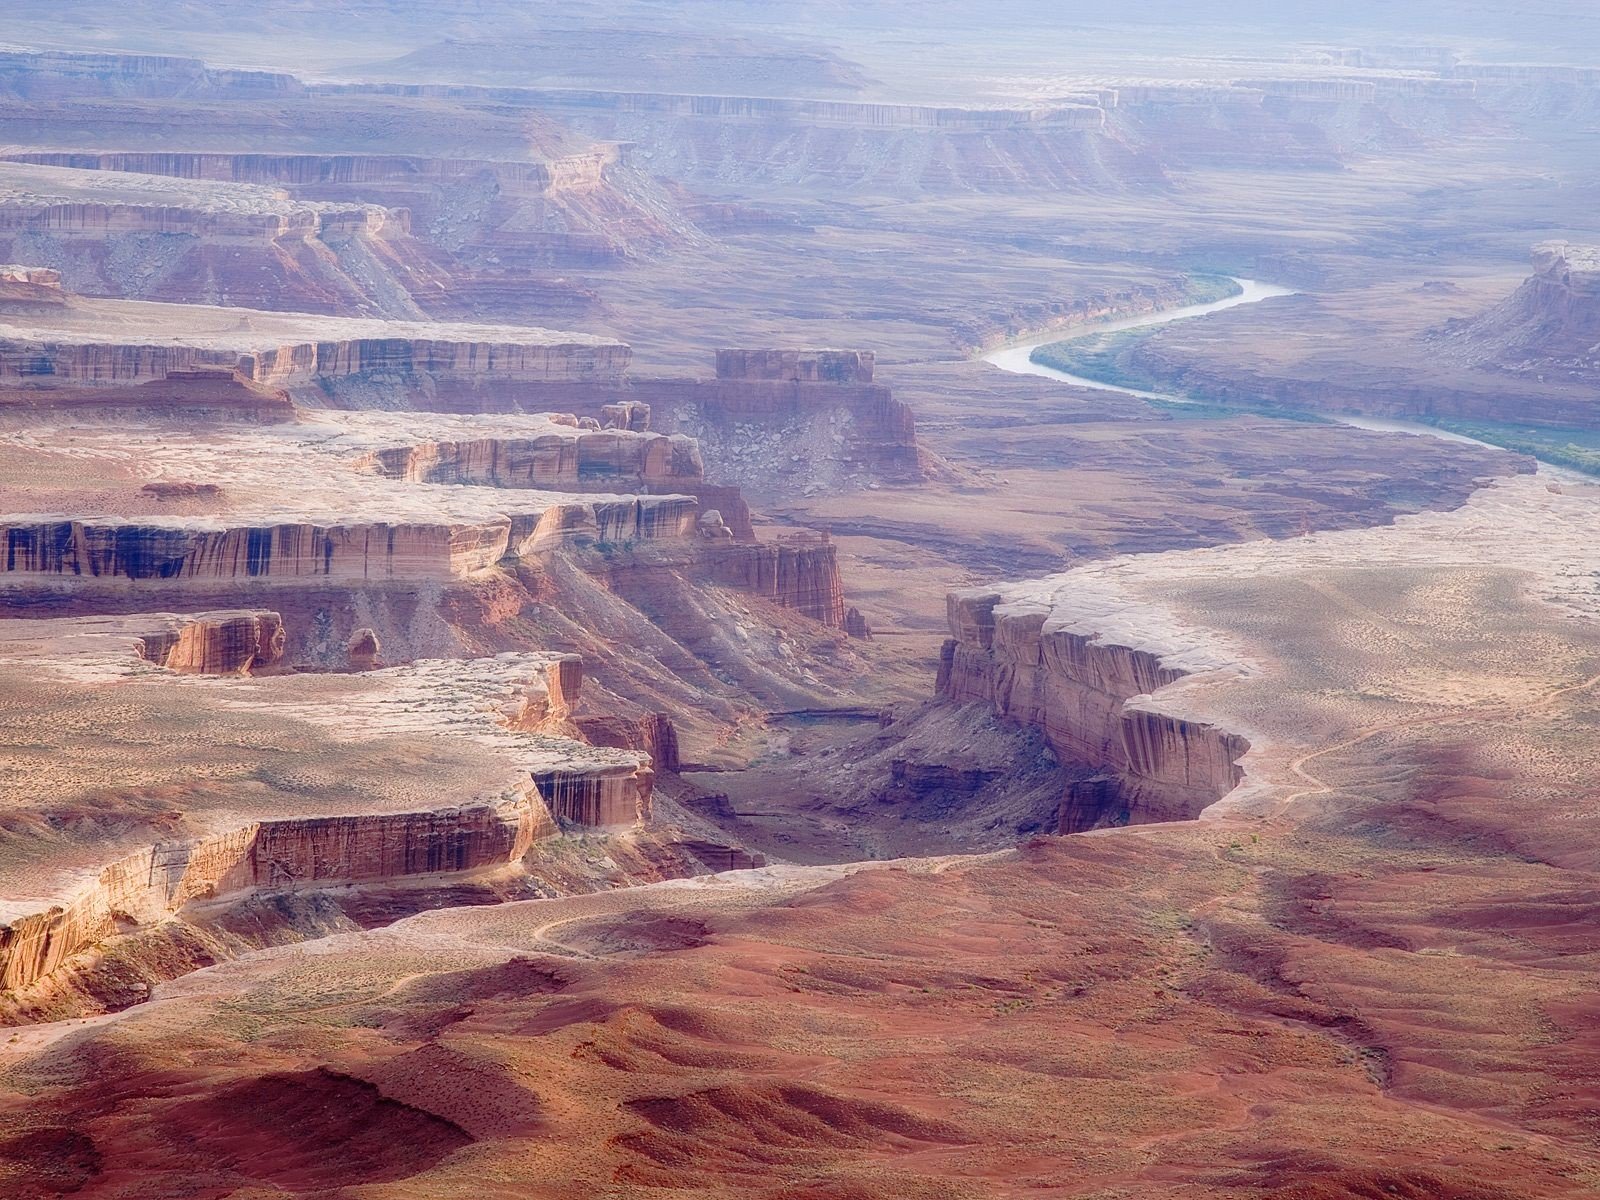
799, 572
601, 798
220, 644
30, 290
273, 855
205, 551
1076, 689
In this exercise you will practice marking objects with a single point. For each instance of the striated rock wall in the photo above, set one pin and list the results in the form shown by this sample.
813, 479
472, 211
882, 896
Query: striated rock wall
37, 361
1090, 700
62, 548
599, 798
221, 643
801, 573
583, 461
273, 855
315, 362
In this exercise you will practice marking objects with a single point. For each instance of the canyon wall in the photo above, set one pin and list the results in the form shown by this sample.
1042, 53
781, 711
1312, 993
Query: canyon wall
201, 551
271, 855
36, 361
1091, 700
799, 572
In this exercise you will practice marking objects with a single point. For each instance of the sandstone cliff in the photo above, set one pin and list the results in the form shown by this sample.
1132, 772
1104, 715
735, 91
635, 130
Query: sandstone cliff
1092, 700
503, 705
799, 572
1548, 326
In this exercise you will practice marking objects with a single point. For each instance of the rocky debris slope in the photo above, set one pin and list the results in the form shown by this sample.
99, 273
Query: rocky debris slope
1085, 669
1549, 328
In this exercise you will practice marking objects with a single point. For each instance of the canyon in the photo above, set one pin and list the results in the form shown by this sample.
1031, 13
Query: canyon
677, 599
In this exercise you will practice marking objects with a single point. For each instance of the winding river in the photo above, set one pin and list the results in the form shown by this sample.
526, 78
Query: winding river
1014, 357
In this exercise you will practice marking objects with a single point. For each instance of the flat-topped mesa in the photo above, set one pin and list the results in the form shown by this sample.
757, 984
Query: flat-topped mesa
1093, 699
549, 781
340, 361
46, 75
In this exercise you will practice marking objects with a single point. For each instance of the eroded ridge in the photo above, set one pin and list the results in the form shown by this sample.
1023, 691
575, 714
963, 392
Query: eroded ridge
1110, 663
508, 715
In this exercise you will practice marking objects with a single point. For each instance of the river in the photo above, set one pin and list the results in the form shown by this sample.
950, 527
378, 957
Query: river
1014, 357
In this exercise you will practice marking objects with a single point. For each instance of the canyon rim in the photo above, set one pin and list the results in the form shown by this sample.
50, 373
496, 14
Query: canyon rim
709, 599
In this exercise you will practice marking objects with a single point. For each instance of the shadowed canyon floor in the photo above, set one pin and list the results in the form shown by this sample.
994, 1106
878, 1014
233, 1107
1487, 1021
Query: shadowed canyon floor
539, 658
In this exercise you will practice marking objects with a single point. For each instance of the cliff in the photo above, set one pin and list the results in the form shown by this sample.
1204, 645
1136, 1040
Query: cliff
501, 706
1551, 324
175, 550
1095, 701
799, 572
351, 361
579, 461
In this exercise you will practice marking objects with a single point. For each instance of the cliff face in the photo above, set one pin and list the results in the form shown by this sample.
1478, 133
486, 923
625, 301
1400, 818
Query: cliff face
61, 359
584, 461
801, 573
1551, 324
272, 855
219, 644
208, 551
1089, 699
516, 709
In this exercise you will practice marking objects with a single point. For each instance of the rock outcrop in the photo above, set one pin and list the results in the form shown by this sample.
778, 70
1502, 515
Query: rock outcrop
798, 571
1550, 326
1095, 701
551, 780
30, 289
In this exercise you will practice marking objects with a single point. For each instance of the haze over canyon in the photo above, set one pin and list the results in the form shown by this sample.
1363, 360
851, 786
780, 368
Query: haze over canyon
713, 599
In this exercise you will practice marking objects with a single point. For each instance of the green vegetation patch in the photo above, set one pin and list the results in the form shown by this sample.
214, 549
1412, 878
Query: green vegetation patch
1578, 449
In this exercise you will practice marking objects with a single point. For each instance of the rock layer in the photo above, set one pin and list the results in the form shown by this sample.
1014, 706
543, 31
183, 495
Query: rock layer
1092, 699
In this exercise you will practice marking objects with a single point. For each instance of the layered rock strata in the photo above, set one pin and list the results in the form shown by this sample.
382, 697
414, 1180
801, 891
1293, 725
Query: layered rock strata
799, 571
351, 362
184, 550
1049, 665
497, 704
